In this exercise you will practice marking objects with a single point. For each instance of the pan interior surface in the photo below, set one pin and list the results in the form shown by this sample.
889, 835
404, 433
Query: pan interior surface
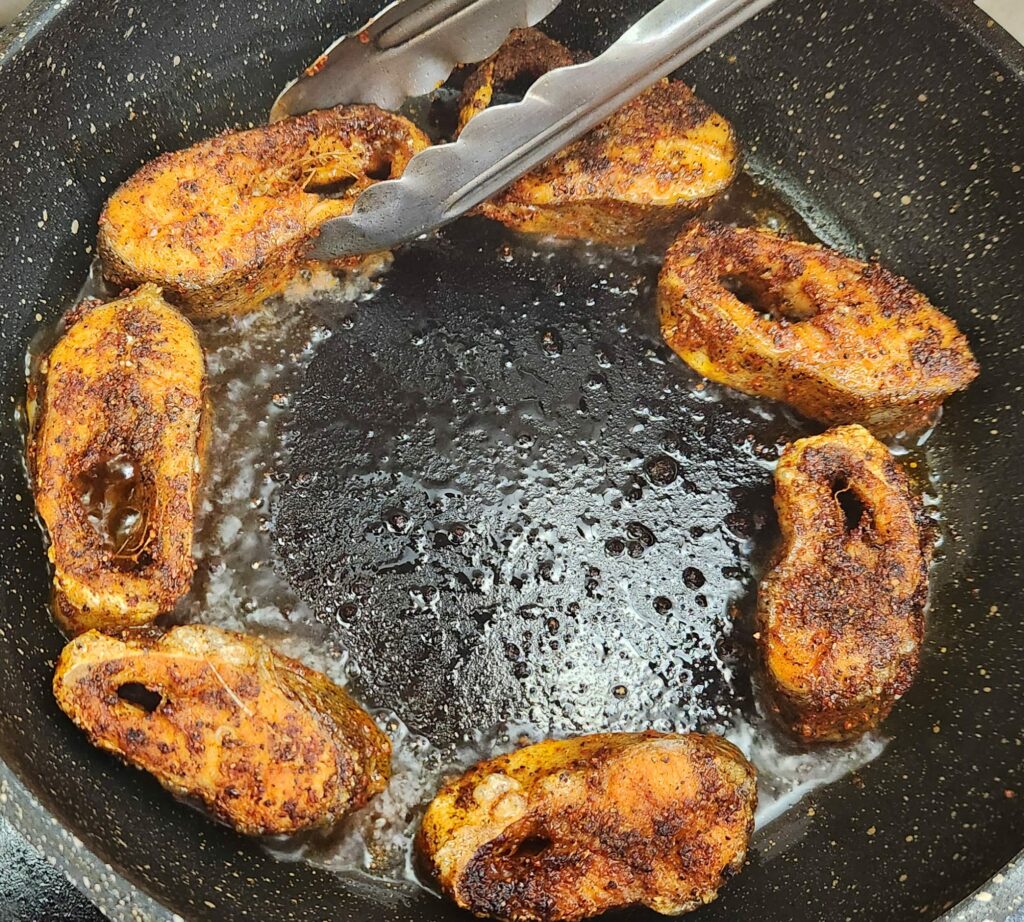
461, 452
516, 515
496, 472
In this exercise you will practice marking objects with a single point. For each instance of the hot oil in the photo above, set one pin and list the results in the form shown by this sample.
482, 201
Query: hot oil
117, 502
539, 522
750, 202
483, 494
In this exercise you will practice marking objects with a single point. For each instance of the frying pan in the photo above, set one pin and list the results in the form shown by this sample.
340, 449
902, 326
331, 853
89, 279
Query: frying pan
896, 128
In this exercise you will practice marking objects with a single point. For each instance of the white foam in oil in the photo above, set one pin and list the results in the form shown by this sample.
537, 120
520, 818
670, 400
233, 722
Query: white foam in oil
788, 772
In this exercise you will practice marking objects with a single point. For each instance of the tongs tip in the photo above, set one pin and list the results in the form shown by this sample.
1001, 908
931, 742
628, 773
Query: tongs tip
408, 49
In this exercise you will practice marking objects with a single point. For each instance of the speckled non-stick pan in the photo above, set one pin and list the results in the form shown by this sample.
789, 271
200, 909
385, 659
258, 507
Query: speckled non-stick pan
504, 497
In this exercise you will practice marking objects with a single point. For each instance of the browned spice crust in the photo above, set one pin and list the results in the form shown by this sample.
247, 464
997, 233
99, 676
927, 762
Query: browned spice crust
265, 744
840, 340
841, 612
225, 224
662, 157
567, 829
124, 384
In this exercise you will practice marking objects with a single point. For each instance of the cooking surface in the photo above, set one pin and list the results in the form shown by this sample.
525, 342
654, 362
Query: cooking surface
927, 181
515, 511
497, 472
481, 491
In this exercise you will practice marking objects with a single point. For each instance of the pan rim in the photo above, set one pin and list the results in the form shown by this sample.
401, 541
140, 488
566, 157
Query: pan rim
122, 900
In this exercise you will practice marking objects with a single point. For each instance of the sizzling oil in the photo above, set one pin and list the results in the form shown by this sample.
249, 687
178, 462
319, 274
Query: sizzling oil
484, 494
117, 504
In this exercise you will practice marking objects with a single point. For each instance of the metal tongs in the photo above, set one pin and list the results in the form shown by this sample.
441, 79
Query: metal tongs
412, 46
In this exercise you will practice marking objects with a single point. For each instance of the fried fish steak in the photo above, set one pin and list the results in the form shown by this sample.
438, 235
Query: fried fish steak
117, 427
662, 157
840, 340
223, 225
567, 829
267, 745
841, 612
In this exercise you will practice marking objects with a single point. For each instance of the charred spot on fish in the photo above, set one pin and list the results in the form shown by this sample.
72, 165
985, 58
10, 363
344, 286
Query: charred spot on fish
140, 696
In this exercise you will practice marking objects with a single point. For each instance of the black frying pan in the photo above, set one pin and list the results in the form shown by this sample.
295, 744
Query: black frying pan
894, 127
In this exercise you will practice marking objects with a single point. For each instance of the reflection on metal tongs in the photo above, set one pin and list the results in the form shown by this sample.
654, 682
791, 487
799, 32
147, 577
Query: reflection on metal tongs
412, 47
409, 48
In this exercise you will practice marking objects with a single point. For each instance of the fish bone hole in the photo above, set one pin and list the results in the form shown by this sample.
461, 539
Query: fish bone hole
116, 502
380, 171
777, 305
339, 188
851, 505
139, 696
532, 846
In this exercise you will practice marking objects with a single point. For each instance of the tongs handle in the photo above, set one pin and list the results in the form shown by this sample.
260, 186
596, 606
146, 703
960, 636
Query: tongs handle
504, 142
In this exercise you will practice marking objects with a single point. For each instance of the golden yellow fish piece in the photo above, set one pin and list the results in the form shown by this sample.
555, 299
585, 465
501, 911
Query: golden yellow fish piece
840, 340
523, 57
841, 612
568, 829
660, 158
267, 745
117, 431
224, 224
